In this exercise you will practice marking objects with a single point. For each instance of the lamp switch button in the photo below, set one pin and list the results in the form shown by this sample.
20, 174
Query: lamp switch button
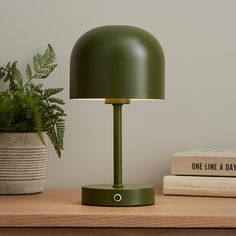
117, 197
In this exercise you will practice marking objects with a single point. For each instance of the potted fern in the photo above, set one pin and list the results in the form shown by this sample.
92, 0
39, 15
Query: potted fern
28, 112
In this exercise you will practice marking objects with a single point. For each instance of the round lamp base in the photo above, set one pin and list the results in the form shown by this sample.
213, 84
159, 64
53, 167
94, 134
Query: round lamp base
128, 195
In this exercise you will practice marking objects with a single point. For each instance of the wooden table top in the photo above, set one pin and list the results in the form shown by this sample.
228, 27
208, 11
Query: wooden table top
62, 208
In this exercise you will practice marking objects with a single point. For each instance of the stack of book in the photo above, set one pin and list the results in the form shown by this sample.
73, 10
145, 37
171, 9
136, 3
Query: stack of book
205, 172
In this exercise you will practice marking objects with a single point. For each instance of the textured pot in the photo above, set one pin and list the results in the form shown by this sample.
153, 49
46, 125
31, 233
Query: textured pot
23, 163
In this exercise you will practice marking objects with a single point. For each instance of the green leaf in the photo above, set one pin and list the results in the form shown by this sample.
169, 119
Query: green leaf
60, 133
35, 63
16, 76
2, 73
8, 76
51, 132
51, 91
14, 65
56, 100
57, 108
28, 72
36, 89
49, 54
44, 64
13, 86
40, 134
8, 66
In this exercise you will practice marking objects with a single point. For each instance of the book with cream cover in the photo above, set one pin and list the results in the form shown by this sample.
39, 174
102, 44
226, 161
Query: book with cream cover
204, 162
199, 186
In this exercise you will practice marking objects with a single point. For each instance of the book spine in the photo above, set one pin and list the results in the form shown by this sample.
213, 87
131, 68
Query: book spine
206, 166
199, 186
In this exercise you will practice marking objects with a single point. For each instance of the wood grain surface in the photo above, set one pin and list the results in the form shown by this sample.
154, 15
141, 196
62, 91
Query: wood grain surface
114, 232
62, 208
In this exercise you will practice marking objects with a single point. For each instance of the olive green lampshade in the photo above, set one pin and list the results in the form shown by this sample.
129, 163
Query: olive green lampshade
117, 62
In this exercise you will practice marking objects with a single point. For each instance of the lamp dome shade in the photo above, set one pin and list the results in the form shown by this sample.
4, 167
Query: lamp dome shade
117, 62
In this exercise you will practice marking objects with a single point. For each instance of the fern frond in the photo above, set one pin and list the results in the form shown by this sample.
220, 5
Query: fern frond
56, 116
44, 64
40, 134
16, 75
37, 89
49, 55
35, 64
54, 140
60, 133
13, 76
40, 60
8, 66
28, 72
51, 91
13, 85
2, 73
57, 108
8, 72
56, 100
39, 127
50, 66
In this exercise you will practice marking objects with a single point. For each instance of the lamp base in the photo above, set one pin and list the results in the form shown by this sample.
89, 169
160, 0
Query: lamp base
128, 195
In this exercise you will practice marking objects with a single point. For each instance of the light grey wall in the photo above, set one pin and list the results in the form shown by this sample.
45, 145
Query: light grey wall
198, 38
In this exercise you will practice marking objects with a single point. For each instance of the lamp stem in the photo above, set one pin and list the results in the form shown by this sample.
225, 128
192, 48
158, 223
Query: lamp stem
117, 122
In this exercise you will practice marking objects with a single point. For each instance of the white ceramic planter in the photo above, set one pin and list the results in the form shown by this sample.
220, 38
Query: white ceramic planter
23, 163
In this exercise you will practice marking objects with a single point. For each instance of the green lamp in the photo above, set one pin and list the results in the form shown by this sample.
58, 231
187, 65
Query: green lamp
117, 63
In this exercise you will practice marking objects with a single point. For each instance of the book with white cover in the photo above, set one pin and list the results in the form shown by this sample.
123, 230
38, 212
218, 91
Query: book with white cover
208, 162
199, 186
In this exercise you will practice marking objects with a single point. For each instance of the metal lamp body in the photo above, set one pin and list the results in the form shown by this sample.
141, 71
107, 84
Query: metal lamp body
128, 195
117, 63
